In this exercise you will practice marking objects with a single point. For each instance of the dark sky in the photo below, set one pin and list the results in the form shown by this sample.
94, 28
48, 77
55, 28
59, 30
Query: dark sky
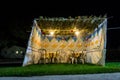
25, 15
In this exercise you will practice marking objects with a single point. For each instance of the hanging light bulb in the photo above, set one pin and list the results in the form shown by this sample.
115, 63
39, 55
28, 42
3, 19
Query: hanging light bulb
77, 33
52, 33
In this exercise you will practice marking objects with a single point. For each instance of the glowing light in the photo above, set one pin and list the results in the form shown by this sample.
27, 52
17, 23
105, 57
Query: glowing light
77, 33
51, 33
16, 52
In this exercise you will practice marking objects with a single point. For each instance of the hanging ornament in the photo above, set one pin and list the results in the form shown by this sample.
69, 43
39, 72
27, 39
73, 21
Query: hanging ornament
72, 31
49, 38
43, 33
66, 38
59, 38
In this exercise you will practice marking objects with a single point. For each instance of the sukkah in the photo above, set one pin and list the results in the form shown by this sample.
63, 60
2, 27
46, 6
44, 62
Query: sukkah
67, 40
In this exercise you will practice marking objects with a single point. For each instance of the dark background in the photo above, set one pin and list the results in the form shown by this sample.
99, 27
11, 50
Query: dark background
16, 20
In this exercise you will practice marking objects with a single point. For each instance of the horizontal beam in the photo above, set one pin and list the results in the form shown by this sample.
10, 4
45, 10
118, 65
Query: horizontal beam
113, 28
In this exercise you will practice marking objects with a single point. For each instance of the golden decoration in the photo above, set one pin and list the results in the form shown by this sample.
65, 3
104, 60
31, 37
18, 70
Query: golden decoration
71, 45
62, 46
79, 45
54, 45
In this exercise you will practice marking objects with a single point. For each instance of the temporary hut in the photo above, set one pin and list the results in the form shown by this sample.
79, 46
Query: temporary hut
67, 40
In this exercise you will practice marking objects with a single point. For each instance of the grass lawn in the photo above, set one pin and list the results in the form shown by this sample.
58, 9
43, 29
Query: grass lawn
59, 69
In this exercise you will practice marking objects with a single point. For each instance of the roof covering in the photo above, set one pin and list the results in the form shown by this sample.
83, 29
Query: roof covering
67, 25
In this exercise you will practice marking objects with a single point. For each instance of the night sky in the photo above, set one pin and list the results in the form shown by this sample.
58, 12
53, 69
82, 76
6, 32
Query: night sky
25, 16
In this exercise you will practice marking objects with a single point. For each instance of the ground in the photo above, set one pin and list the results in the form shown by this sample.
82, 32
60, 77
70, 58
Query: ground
103, 76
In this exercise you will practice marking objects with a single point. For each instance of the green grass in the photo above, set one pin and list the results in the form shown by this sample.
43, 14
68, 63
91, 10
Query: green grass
59, 69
